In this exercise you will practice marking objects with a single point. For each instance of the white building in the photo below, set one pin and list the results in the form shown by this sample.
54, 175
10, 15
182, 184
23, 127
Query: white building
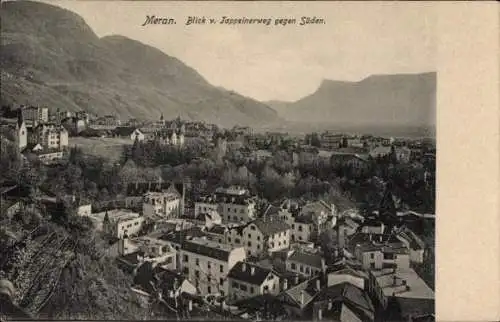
382, 256
247, 280
404, 287
156, 251
118, 222
207, 264
261, 236
50, 136
84, 209
305, 263
166, 204
234, 204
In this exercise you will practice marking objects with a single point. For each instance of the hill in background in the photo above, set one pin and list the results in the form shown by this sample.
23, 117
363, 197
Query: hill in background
380, 100
50, 56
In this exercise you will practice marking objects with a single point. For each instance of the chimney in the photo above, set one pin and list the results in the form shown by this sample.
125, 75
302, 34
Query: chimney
296, 280
252, 270
244, 267
285, 284
302, 298
330, 304
323, 265
320, 314
318, 285
190, 305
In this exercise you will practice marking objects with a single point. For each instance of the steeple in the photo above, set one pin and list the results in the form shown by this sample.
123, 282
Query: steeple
161, 117
20, 118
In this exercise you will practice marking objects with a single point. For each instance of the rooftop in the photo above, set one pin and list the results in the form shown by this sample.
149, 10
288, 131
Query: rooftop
307, 258
208, 248
249, 273
403, 283
115, 215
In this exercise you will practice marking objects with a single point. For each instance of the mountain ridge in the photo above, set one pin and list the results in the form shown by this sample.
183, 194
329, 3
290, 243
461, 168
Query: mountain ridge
395, 99
51, 57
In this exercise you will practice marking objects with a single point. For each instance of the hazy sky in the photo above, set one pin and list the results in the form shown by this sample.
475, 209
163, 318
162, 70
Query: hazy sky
276, 62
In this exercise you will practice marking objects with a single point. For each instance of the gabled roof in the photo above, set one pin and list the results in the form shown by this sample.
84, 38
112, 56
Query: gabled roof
270, 226
217, 229
309, 259
346, 293
140, 188
124, 130
307, 288
257, 278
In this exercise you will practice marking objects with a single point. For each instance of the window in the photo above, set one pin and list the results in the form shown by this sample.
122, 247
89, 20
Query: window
222, 269
388, 256
209, 265
229, 239
258, 237
300, 237
221, 281
270, 277
242, 211
258, 246
243, 287
235, 218
209, 290
252, 227
250, 236
372, 265
249, 244
252, 290
307, 270
294, 267
197, 262
300, 228
237, 240
197, 274
235, 285
301, 269
266, 288
372, 255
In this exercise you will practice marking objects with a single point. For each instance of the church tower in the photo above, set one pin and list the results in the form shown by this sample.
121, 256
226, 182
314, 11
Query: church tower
21, 130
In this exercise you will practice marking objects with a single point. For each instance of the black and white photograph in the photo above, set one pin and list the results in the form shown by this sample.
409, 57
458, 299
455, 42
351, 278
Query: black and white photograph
256, 161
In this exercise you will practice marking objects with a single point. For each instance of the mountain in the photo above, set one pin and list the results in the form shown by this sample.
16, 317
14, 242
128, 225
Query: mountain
379, 100
49, 56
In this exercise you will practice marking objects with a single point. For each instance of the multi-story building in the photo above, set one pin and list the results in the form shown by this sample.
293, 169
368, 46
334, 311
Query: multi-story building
261, 236
234, 204
207, 263
373, 256
401, 288
148, 249
330, 141
248, 280
166, 204
118, 223
36, 114
306, 263
50, 136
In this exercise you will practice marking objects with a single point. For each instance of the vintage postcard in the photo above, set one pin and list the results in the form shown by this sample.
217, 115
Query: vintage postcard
218, 160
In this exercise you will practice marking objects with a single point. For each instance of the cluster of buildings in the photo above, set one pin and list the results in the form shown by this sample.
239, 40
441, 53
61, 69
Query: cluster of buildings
34, 135
266, 263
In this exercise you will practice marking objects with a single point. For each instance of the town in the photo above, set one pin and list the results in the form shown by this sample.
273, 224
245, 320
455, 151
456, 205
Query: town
195, 221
